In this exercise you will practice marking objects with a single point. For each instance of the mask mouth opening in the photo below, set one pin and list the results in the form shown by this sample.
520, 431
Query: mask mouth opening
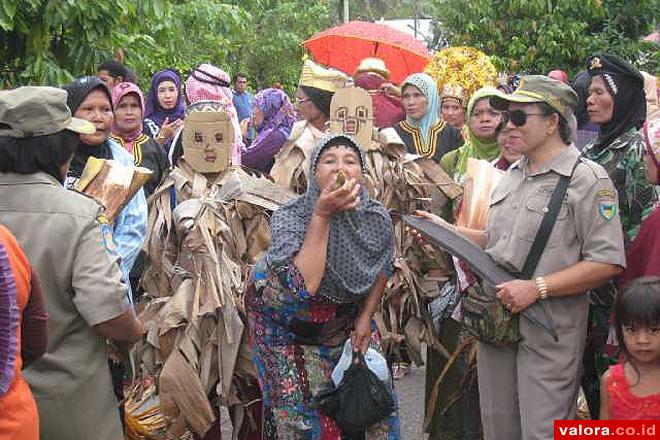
351, 126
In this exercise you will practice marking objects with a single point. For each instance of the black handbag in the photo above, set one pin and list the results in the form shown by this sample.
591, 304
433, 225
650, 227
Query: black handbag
360, 400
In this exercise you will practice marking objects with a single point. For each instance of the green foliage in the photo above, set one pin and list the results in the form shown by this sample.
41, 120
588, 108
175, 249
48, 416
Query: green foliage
51, 41
540, 35
271, 49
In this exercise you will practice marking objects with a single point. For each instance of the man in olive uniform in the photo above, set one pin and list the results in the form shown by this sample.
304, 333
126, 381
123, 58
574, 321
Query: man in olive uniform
69, 244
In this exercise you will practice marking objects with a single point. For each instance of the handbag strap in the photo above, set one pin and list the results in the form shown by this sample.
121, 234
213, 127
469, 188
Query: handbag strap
547, 224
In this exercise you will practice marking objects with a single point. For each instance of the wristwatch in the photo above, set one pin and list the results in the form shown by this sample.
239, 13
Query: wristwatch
541, 287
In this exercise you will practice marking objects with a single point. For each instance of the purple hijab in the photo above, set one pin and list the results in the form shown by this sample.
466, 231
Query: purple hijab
153, 109
279, 117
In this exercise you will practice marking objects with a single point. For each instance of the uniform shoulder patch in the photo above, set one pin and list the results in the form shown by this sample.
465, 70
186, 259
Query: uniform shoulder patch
606, 194
607, 209
597, 169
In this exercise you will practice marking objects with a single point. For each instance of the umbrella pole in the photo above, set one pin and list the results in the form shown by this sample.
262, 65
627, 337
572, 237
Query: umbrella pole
346, 11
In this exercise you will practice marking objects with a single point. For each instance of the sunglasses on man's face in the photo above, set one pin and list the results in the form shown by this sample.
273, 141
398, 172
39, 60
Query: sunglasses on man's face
517, 117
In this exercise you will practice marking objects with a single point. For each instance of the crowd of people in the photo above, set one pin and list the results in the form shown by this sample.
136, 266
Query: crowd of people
270, 232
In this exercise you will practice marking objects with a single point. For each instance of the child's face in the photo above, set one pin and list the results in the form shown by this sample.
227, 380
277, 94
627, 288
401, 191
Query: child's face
643, 343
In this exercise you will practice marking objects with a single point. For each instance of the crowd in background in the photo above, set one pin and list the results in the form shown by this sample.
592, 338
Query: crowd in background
598, 275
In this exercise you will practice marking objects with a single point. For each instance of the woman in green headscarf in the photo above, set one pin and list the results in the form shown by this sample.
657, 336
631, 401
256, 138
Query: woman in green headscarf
453, 413
482, 137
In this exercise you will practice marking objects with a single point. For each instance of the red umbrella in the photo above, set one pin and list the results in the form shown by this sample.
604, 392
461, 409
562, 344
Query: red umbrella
343, 47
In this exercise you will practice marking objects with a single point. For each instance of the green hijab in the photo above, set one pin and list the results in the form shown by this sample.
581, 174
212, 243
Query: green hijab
455, 162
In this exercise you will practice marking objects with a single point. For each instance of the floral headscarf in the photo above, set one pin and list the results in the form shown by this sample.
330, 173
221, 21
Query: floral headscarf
153, 109
210, 83
427, 86
118, 93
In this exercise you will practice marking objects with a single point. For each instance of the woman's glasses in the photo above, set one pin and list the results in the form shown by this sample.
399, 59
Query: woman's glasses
517, 117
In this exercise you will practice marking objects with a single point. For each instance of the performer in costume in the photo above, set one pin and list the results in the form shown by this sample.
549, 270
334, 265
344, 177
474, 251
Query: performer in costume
315, 89
208, 222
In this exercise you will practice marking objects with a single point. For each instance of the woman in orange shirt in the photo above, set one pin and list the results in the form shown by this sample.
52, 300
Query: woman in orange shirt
22, 339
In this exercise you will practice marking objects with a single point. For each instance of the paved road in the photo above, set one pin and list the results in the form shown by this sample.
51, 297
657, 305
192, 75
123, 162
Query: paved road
410, 392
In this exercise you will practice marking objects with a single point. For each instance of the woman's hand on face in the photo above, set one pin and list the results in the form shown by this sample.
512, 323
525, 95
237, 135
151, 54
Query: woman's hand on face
517, 295
332, 201
361, 336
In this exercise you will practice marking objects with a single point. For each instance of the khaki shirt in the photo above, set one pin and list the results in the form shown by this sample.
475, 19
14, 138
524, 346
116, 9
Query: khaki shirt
587, 228
71, 252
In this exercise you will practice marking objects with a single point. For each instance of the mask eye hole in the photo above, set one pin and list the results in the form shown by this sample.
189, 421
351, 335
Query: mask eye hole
362, 112
198, 137
219, 137
341, 113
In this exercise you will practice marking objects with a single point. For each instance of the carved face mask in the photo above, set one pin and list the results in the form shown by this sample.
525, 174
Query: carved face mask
208, 138
351, 112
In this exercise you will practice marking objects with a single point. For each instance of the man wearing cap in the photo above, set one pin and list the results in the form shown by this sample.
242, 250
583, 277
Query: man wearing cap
315, 90
69, 244
525, 386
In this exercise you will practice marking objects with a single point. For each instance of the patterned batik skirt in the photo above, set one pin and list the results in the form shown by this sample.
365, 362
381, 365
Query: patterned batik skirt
296, 342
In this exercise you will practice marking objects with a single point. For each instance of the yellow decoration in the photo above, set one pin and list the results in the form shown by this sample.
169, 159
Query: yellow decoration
460, 71
314, 75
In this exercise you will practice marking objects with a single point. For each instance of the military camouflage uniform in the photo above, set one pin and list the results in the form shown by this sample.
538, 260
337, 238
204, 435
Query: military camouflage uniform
622, 159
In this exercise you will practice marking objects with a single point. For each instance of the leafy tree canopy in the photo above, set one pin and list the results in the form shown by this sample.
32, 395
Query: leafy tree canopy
53, 41
540, 35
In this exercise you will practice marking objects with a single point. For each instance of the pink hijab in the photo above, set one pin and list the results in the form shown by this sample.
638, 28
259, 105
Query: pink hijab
118, 93
211, 83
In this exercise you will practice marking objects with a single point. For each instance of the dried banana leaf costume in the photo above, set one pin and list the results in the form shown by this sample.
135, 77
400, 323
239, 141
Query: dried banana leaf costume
204, 231
290, 167
297, 336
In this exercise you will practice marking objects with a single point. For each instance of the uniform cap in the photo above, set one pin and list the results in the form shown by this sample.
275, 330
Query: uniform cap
540, 88
38, 111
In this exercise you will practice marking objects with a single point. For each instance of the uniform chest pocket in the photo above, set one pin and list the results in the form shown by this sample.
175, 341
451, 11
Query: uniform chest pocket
536, 207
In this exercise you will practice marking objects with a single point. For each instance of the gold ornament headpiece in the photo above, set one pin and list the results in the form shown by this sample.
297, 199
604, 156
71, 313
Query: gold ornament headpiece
455, 91
463, 70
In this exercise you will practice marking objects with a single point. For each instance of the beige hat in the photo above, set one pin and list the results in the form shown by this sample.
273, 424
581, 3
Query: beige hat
313, 75
375, 65
37, 111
